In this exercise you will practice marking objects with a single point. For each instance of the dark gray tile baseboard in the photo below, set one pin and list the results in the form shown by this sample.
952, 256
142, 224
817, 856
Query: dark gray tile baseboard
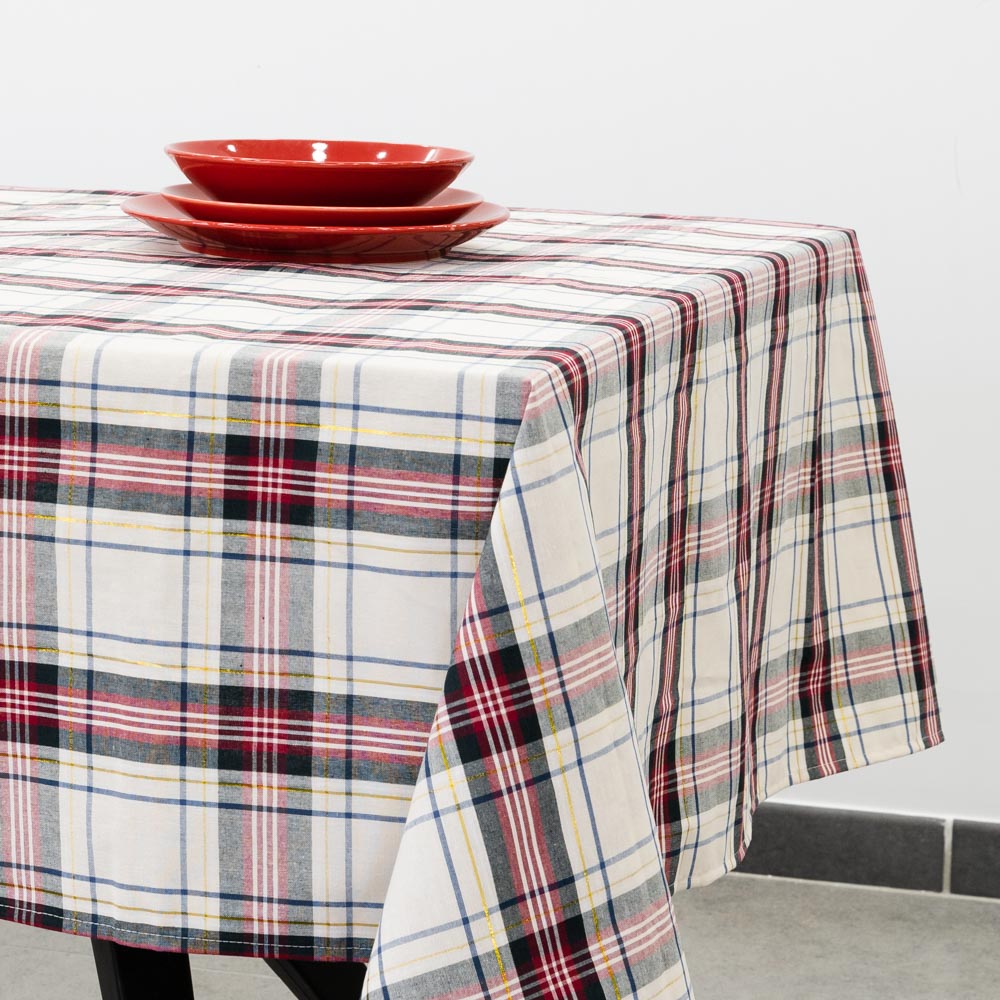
870, 848
975, 858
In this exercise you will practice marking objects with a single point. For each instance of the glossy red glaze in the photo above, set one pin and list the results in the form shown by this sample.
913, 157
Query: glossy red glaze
444, 207
311, 244
318, 172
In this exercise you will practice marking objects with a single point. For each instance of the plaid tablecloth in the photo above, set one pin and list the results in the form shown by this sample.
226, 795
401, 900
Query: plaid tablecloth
443, 614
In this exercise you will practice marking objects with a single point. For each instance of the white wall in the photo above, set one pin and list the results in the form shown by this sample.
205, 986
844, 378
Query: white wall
879, 115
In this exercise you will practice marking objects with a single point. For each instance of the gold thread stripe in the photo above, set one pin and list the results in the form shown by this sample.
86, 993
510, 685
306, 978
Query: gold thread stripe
172, 779
264, 535
312, 674
63, 894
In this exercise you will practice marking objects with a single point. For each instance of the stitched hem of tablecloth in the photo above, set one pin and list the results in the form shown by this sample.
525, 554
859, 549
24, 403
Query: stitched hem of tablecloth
194, 942
841, 765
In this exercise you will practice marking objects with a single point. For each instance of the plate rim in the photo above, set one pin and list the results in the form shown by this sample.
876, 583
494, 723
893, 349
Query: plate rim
130, 206
455, 156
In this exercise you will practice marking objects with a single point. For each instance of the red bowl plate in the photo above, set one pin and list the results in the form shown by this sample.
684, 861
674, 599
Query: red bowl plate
444, 207
311, 244
318, 171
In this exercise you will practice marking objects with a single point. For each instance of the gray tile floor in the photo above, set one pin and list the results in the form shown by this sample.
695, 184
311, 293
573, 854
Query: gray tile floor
746, 938
750, 937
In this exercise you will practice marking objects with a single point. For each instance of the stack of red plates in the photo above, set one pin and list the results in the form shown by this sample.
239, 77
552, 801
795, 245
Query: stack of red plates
315, 201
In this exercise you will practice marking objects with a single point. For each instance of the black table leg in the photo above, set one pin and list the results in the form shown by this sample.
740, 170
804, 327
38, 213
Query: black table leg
320, 980
140, 974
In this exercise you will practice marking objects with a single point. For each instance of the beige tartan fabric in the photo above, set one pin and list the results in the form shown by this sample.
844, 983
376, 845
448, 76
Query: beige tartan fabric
440, 616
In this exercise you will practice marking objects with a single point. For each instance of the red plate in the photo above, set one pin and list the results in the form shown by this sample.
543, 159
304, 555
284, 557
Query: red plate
318, 172
311, 244
444, 207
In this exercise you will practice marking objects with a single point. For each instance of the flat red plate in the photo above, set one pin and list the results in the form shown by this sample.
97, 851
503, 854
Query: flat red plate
311, 244
318, 172
445, 207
